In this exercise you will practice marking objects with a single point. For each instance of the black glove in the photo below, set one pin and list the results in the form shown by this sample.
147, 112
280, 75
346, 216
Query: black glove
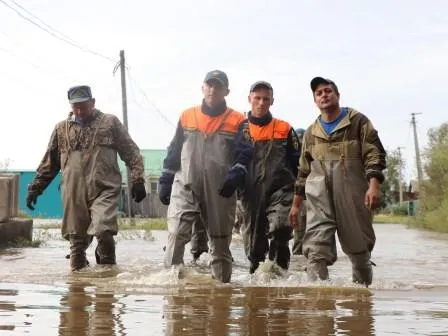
235, 178
31, 200
138, 192
165, 185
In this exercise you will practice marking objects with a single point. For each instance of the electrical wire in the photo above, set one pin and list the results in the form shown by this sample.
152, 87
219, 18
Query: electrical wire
53, 32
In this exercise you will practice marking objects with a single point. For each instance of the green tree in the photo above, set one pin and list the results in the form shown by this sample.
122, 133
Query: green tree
434, 191
392, 178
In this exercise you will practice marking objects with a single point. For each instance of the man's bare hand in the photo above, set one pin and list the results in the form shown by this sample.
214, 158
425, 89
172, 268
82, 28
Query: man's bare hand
294, 217
372, 197
295, 211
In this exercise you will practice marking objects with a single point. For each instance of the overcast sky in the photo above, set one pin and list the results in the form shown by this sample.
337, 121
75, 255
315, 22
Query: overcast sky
388, 57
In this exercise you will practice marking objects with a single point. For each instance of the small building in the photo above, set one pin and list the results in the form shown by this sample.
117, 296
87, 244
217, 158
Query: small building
49, 204
153, 161
150, 207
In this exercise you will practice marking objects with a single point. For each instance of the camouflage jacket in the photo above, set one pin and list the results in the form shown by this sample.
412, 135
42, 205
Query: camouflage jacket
353, 138
106, 129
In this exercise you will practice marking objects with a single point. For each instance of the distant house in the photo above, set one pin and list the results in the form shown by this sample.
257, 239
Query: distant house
153, 161
49, 204
151, 205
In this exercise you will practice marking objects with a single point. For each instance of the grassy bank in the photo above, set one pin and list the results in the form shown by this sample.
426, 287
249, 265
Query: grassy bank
433, 221
149, 224
20, 243
143, 224
146, 224
391, 219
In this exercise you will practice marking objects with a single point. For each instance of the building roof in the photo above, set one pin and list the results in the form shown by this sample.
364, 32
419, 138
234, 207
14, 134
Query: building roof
152, 159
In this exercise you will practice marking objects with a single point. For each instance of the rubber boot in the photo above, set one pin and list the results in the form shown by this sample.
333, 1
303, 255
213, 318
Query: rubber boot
105, 250
283, 256
197, 255
78, 247
221, 264
317, 270
362, 272
199, 241
279, 253
253, 266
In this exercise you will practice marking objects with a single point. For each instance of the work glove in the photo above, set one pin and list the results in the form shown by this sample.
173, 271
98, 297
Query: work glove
165, 185
138, 192
234, 179
31, 200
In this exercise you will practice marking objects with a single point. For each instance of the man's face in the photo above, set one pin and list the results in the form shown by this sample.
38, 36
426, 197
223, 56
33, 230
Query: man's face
84, 109
214, 92
326, 97
261, 100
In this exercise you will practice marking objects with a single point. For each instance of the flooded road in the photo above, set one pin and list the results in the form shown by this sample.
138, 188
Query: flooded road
38, 295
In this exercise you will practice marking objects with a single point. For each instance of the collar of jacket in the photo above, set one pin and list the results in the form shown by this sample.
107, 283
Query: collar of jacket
215, 110
72, 118
318, 131
263, 121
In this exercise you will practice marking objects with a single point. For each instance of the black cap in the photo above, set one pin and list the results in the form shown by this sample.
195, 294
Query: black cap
217, 75
316, 81
79, 94
260, 84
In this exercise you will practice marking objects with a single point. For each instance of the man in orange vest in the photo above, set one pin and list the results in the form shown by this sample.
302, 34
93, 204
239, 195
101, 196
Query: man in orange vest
269, 187
206, 162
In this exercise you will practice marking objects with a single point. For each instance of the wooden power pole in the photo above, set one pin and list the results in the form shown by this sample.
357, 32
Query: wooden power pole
124, 100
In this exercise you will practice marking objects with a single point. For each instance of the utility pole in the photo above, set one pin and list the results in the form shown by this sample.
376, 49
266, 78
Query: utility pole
400, 178
124, 100
417, 153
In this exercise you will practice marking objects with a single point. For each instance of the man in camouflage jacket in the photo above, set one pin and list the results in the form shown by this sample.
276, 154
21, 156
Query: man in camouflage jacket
84, 148
340, 171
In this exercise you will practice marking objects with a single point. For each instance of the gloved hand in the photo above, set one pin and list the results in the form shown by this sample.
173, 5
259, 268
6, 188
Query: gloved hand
31, 200
235, 178
138, 192
165, 184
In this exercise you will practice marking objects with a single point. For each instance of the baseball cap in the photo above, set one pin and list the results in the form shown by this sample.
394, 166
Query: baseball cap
78, 94
300, 133
316, 81
218, 75
259, 84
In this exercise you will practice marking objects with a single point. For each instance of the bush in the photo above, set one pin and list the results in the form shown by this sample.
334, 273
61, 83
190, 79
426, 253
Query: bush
400, 210
437, 219
397, 209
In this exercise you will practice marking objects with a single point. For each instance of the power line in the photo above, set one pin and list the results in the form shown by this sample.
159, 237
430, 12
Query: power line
41, 21
133, 82
59, 71
62, 37
34, 64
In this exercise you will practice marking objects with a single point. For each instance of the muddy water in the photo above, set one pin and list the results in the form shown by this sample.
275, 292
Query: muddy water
38, 296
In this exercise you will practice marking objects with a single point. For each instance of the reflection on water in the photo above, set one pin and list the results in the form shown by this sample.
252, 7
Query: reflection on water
85, 312
269, 311
38, 296
226, 311
6, 306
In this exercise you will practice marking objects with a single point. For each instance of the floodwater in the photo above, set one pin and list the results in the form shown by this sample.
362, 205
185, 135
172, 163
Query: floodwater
38, 295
